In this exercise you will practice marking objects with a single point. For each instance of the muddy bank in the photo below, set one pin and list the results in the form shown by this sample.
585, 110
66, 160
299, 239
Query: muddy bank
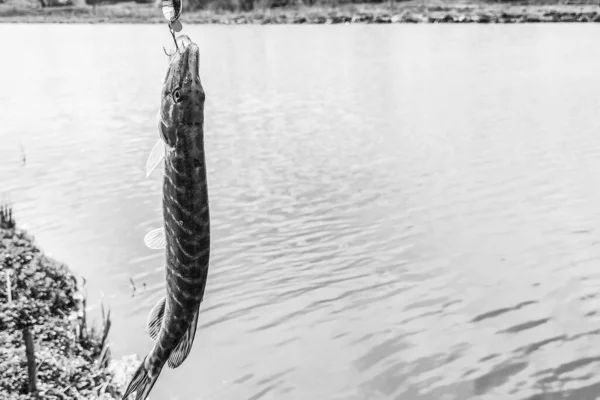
47, 348
406, 12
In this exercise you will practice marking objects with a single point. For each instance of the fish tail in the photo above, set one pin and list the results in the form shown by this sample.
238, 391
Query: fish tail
141, 383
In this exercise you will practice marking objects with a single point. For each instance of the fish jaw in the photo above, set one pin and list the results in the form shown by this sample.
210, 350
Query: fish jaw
183, 96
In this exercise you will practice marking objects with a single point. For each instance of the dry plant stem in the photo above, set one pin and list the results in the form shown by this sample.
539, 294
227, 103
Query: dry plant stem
8, 287
29, 352
29, 347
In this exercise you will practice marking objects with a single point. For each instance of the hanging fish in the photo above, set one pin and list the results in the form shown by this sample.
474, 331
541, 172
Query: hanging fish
186, 233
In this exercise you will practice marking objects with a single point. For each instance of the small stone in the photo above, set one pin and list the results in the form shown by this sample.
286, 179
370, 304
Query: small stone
382, 19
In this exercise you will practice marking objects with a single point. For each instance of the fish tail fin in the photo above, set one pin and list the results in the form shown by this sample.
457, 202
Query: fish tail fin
141, 383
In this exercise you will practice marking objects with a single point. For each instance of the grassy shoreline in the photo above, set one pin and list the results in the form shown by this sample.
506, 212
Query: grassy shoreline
417, 11
47, 348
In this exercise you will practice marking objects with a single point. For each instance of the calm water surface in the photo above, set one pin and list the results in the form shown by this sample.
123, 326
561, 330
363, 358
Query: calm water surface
399, 212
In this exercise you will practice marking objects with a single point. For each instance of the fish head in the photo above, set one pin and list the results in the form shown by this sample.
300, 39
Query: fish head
183, 96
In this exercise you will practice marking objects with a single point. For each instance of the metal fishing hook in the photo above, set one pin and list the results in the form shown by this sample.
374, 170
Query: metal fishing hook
174, 40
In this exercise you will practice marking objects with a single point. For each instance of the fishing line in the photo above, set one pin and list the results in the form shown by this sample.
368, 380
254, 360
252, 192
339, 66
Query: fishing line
172, 10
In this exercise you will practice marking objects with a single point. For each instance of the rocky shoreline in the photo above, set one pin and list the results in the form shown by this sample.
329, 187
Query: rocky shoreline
483, 13
414, 18
47, 349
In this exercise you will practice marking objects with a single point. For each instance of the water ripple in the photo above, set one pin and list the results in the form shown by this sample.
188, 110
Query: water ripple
397, 213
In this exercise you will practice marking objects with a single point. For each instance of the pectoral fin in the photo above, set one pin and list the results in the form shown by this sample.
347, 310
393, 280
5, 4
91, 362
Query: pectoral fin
155, 318
155, 157
182, 350
156, 239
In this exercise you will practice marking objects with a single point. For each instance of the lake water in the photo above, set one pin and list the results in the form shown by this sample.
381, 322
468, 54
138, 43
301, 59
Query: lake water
398, 212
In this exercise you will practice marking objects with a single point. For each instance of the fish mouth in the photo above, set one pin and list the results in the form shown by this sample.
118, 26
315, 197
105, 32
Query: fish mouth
189, 57
183, 79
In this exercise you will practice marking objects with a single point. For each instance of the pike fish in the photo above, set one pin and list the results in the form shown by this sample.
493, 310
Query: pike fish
186, 232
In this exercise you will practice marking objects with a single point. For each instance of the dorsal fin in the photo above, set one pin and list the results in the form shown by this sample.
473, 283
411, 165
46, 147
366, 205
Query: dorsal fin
155, 318
182, 350
155, 239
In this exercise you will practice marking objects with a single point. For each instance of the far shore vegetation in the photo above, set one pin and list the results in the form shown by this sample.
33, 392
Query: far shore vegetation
301, 11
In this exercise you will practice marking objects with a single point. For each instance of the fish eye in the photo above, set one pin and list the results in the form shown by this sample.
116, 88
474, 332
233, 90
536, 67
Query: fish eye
176, 95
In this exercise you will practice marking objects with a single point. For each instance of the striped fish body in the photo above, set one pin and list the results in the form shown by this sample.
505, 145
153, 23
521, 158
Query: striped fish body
187, 231
186, 234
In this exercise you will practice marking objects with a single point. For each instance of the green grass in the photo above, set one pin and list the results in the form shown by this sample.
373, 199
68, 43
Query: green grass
47, 349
